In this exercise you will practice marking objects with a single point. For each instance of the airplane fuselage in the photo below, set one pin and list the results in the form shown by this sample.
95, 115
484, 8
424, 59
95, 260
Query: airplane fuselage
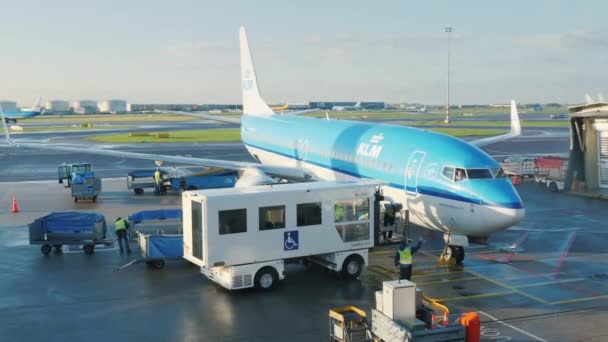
414, 164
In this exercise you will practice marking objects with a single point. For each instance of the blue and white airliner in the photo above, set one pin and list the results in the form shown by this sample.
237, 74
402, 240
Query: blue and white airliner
448, 184
24, 114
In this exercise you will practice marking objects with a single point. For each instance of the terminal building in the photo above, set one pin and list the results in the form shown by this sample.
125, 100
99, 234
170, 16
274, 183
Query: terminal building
9, 106
588, 164
113, 106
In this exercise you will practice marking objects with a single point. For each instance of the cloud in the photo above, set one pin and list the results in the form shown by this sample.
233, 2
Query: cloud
577, 39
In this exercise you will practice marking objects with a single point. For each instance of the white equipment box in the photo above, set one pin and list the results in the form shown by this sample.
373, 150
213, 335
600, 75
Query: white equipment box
240, 237
399, 301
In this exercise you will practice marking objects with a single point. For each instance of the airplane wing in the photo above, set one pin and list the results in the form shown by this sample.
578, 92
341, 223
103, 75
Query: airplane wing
258, 170
223, 119
206, 116
515, 130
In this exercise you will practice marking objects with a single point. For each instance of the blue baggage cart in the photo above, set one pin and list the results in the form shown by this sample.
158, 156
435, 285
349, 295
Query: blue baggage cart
158, 248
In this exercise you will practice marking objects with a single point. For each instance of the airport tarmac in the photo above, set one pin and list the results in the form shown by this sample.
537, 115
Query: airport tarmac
33, 164
552, 287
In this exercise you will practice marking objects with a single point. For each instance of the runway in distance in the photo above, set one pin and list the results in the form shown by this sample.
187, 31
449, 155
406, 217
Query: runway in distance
448, 184
24, 114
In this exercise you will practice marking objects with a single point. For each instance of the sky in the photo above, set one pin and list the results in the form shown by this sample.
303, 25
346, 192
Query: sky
395, 51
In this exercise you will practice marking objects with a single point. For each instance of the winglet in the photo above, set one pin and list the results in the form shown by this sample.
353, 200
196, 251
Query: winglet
253, 104
515, 124
7, 135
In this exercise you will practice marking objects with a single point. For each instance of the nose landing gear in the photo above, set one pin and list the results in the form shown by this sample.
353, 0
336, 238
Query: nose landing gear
452, 254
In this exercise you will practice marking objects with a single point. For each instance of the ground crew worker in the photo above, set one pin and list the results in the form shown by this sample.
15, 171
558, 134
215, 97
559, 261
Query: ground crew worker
120, 228
389, 220
403, 258
158, 182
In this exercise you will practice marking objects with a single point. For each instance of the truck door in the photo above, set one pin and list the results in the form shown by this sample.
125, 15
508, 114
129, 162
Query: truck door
411, 172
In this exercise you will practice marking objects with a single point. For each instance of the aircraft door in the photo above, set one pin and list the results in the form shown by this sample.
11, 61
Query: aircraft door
411, 172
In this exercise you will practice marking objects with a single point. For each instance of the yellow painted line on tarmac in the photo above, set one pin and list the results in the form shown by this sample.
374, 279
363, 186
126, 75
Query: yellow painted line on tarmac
513, 289
549, 283
484, 295
383, 252
576, 300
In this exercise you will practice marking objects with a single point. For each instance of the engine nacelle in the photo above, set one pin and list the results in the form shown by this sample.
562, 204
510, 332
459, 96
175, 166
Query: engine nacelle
252, 177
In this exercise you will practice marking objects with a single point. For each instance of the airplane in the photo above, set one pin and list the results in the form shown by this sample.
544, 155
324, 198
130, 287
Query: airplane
24, 114
356, 107
447, 184
281, 108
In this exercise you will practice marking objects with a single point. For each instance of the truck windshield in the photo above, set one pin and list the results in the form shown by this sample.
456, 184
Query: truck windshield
479, 174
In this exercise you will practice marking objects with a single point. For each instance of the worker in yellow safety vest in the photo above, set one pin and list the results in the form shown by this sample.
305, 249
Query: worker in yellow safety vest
158, 182
403, 258
120, 228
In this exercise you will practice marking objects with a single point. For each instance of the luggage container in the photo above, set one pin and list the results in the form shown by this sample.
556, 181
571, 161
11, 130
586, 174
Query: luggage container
242, 237
155, 222
69, 228
156, 249
85, 186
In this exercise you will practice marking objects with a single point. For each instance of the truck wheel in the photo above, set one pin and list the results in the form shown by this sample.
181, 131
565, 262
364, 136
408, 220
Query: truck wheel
553, 186
45, 249
158, 264
266, 278
89, 249
352, 267
139, 191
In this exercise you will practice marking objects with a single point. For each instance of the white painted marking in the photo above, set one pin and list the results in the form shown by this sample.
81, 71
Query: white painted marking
512, 327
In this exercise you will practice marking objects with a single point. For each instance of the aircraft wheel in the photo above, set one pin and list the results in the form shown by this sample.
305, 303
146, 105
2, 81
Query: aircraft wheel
459, 255
448, 253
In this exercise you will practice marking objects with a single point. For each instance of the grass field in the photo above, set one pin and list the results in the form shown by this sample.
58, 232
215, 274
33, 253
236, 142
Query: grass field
71, 128
209, 135
93, 118
217, 135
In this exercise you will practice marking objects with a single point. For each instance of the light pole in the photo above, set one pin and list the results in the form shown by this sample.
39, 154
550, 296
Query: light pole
447, 105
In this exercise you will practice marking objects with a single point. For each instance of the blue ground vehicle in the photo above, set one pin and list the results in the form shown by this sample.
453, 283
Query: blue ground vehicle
182, 179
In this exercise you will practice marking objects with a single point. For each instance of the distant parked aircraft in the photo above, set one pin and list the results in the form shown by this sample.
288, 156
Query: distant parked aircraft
356, 107
24, 114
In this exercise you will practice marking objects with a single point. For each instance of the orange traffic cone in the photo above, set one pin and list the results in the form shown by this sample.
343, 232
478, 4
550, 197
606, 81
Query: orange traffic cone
446, 320
15, 204
433, 321
515, 180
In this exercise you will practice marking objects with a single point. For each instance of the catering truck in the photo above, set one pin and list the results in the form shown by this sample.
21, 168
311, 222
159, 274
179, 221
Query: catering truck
242, 237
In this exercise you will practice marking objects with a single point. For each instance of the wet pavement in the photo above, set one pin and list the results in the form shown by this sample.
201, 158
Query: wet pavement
551, 286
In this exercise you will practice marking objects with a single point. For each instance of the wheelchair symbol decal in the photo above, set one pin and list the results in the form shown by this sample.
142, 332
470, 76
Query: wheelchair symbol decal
290, 240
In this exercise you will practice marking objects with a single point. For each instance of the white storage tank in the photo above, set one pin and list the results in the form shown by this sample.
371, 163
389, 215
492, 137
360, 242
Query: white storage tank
113, 106
9, 106
85, 106
57, 106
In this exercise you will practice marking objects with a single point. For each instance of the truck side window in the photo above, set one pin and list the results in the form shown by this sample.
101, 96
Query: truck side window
272, 217
309, 214
351, 210
233, 221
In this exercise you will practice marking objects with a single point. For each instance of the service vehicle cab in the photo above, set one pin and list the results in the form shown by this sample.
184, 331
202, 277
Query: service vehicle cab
242, 237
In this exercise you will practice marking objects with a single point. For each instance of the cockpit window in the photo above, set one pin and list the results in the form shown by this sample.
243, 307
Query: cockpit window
460, 175
479, 173
448, 172
500, 174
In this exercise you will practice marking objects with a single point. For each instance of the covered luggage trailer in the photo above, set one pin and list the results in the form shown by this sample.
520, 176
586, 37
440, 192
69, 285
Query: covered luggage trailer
242, 237
158, 248
155, 222
69, 228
